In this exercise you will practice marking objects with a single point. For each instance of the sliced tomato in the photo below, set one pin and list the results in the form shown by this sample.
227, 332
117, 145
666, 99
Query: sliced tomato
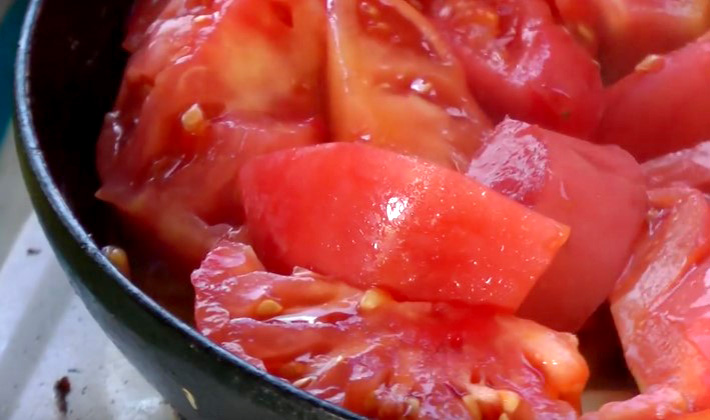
624, 32
382, 358
689, 167
566, 179
521, 64
663, 107
660, 308
213, 86
378, 218
395, 83
700, 415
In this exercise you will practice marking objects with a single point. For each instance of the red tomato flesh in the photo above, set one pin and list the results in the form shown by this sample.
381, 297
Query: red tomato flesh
626, 31
660, 307
395, 83
521, 63
689, 167
662, 108
377, 218
211, 87
383, 358
568, 179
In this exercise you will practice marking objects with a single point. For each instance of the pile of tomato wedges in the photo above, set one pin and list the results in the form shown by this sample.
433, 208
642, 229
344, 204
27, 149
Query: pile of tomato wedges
409, 207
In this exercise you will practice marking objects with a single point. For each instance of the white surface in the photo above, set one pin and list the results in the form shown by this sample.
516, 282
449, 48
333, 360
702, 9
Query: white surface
46, 333
14, 201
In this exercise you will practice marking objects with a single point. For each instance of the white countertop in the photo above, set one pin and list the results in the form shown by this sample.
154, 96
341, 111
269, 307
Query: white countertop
46, 332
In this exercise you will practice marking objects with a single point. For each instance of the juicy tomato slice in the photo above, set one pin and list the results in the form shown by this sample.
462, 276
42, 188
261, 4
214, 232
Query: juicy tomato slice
624, 32
383, 358
378, 218
660, 307
689, 167
212, 86
395, 83
518, 62
566, 179
700, 415
662, 107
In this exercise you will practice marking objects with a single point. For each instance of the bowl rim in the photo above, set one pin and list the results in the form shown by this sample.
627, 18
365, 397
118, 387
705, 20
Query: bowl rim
37, 164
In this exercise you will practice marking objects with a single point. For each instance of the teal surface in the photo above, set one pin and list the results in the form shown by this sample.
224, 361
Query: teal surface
9, 35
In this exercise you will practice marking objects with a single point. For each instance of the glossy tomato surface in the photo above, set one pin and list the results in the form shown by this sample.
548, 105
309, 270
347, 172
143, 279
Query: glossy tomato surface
662, 107
624, 32
395, 83
382, 219
211, 85
521, 63
598, 191
384, 358
689, 167
660, 308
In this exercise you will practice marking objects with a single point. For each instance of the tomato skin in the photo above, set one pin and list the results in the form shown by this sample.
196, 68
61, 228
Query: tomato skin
191, 111
624, 32
662, 109
565, 179
518, 61
395, 83
659, 308
412, 227
382, 358
689, 167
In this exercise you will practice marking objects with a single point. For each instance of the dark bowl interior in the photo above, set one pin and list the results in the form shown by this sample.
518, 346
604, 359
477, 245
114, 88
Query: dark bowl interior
69, 66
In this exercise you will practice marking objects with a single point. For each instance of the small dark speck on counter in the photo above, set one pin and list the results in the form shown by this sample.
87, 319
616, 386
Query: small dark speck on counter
62, 388
73, 370
83, 390
33, 251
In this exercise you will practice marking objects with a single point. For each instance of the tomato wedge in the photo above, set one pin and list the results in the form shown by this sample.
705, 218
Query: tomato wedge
212, 86
624, 32
382, 358
521, 63
565, 178
660, 308
395, 83
662, 107
376, 218
689, 167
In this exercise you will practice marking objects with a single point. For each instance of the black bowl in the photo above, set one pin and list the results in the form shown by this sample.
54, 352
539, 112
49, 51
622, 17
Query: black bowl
69, 66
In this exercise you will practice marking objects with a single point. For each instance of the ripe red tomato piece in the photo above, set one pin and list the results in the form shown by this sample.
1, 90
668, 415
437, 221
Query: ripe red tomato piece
660, 307
395, 83
700, 415
210, 88
661, 108
624, 32
378, 218
566, 179
521, 63
382, 358
689, 167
